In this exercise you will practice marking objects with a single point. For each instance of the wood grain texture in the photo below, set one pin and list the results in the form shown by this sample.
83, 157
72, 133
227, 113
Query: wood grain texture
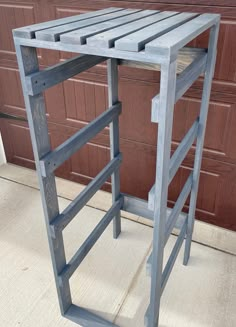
71, 105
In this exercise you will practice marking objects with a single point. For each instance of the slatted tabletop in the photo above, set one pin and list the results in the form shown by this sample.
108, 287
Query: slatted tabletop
119, 32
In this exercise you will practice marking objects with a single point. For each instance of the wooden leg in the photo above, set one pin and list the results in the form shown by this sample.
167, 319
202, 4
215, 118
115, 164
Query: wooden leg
167, 99
209, 73
35, 106
112, 71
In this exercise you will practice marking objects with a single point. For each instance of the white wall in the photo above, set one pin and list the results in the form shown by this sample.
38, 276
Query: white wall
2, 152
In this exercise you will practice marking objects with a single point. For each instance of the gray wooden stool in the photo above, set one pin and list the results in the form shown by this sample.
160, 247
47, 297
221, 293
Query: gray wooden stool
141, 38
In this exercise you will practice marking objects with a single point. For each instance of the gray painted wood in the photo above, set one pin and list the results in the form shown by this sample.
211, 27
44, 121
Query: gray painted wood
177, 158
184, 59
64, 151
136, 41
108, 38
171, 222
173, 256
80, 36
136, 206
112, 79
180, 222
166, 56
184, 81
79, 256
86, 318
179, 37
36, 114
53, 34
139, 207
40, 81
169, 265
60, 222
210, 67
29, 31
182, 149
153, 58
167, 97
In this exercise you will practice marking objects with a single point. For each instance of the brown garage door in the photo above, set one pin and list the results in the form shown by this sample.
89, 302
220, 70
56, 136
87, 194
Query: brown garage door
72, 104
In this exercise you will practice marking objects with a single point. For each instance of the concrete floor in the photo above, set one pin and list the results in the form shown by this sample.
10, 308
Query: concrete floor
112, 280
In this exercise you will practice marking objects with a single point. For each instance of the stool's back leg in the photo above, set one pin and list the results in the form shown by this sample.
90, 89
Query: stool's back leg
167, 100
209, 73
112, 72
35, 106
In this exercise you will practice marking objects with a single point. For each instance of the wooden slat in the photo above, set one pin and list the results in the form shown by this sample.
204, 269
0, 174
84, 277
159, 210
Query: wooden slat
107, 39
171, 260
64, 151
53, 34
136, 41
79, 256
185, 58
42, 80
79, 36
172, 219
29, 31
139, 207
62, 220
84, 317
173, 256
177, 38
177, 158
183, 148
114, 133
136, 206
183, 83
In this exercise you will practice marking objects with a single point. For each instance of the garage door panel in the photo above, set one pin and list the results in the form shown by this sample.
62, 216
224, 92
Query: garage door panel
13, 16
219, 127
10, 85
72, 104
17, 143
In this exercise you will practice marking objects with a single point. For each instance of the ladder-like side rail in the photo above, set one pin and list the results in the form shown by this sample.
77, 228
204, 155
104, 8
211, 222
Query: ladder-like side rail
79, 256
171, 261
173, 256
139, 207
64, 151
178, 207
40, 81
174, 218
84, 317
63, 219
182, 149
183, 83
177, 158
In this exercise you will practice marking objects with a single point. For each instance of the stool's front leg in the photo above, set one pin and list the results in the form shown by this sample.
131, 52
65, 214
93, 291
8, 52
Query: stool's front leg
112, 76
36, 114
210, 67
167, 100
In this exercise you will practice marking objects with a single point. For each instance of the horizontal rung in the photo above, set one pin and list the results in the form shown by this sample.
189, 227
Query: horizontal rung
177, 158
183, 83
60, 222
182, 149
184, 59
84, 317
55, 158
136, 206
171, 222
40, 81
139, 207
90, 241
173, 255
